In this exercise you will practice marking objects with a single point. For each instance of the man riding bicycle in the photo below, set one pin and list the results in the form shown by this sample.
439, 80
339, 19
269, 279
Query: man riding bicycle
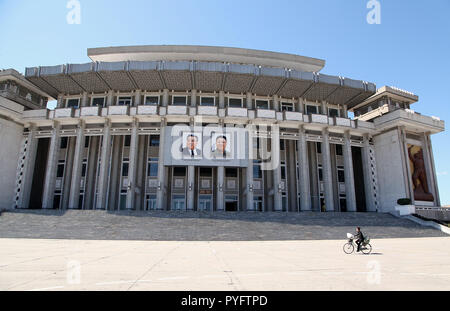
359, 238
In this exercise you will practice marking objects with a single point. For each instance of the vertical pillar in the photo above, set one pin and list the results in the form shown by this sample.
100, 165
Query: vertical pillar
28, 168
193, 98
85, 100
60, 101
190, 187
161, 190
221, 99
220, 188
50, 171
405, 162
345, 112
367, 171
92, 165
110, 98
276, 173
324, 107
327, 175
301, 105
165, 99
114, 178
104, 166
249, 100
68, 172
276, 103
132, 165
303, 163
350, 196
137, 98
77, 166
249, 171
141, 172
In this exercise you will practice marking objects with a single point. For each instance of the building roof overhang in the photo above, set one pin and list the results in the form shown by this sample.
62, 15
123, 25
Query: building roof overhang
392, 92
13, 75
126, 76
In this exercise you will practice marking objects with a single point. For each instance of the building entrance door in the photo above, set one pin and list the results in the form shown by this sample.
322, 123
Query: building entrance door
231, 203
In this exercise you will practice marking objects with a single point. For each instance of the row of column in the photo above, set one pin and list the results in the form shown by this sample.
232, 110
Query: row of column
304, 174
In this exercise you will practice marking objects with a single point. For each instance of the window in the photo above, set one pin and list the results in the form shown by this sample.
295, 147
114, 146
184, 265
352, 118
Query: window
319, 147
83, 169
124, 169
151, 202
86, 142
154, 141
332, 112
262, 104
287, 107
235, 102
179, 171
257, 172
127, 141
151, 100
73, 103
258, 203
311, 109
124, 101
231, 172
98, 101
179, 100
339, 150
152, 169
207, 101
64, 142
205, 171
341, 176
60, 170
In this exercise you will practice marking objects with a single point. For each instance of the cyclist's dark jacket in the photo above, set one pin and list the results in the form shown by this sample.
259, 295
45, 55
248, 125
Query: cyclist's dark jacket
359, 236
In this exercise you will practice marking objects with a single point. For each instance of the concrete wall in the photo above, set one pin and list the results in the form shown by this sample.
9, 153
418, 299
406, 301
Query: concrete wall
10, 140
388, 153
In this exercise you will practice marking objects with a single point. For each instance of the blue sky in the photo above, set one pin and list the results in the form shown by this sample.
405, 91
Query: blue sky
410, 49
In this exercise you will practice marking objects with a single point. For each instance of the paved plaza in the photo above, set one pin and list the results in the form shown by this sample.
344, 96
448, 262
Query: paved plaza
396, 264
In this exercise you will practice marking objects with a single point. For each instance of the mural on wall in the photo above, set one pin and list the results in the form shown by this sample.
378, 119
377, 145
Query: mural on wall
419, 174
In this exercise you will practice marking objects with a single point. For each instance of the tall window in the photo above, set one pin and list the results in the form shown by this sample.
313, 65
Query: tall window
262, 104
311, 109
179, 100
235, 102
73, 103
287, 107
333, 112
152, 168
98, 101
152, 100
124, 101
207, 101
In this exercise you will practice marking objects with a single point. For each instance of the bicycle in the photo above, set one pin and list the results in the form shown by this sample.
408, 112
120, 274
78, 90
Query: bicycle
349, 247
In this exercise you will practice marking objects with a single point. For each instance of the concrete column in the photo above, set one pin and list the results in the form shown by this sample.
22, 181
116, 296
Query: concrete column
141, 172
303, 163
50, 171
221, 99
165, 99
60, 101
104, 166
68, 172
92, 164
132, 165
190, 187
367, 171
249, 100
110, 98
161, 190
291, 175
193, 98
345, 112
137, 97
406, 168
276, 172
28, 168
77, 167
220, 188
85, 100
114, 178
327, 174
350, 196
301, 105
324, 107
276, 103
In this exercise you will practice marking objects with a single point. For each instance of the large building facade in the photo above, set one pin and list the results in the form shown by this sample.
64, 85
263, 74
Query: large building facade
213, 129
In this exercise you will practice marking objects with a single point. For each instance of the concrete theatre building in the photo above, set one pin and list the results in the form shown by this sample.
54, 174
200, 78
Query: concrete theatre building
209, 128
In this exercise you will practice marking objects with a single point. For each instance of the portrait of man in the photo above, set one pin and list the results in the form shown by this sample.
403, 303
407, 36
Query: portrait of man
191, 146
221, 147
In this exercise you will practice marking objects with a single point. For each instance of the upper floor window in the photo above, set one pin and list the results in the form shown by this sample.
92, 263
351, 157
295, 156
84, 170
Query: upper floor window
207, 101
287, 107
333, 112
73, 103
124, 101
311, 109
262, 104
98, 101
235, 102
151, 100
179, 100
154, 141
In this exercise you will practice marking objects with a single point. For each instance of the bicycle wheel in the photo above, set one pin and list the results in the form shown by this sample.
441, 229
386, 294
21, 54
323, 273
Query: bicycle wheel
348, 248
366, 249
